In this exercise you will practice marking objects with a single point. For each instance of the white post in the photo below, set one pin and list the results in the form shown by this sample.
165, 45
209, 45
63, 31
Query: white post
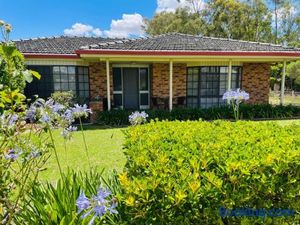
229, 78
108, 85
171, 86
282, 84
229, 75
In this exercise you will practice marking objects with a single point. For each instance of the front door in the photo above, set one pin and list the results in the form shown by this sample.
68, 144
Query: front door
131, 88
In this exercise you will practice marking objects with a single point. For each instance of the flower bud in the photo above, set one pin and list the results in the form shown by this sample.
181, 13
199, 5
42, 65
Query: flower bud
1, 23
7, 27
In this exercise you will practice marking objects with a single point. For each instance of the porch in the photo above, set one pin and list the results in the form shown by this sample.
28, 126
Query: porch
167, 85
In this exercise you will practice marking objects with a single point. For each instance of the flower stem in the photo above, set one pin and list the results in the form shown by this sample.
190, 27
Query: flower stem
55, 152
84, 141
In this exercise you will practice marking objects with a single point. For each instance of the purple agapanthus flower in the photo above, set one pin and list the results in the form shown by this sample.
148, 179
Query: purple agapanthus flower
45, 118
97, 206
13, 154
31, 113
81, 111
12, 120
112, 208
68, 116
137, 118
237, 95
82, 202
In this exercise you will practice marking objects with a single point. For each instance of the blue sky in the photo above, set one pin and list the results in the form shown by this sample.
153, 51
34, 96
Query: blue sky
36, 18
109, 18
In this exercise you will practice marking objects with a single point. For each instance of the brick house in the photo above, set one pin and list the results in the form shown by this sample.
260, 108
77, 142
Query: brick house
166, 71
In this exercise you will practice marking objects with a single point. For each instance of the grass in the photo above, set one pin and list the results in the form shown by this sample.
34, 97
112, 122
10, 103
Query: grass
288, 99
105, 150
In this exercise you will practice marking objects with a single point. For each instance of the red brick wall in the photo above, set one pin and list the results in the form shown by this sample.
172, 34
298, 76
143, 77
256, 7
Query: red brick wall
97, 74
255, 81
160, 80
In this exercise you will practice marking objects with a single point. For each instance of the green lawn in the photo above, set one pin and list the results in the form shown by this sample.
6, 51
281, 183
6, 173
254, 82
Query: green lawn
288, 99
105, 150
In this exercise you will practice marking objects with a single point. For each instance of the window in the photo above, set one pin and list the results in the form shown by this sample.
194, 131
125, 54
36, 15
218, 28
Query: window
206, 85
144, 88
117, 87
60, 78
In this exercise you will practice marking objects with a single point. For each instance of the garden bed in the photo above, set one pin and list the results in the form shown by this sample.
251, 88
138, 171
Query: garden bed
247, 112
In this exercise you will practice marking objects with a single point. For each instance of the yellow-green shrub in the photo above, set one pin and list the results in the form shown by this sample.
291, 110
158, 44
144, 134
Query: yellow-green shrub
183, 172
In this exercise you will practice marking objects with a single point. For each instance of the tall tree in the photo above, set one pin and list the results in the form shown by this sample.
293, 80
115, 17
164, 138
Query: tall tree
181, 21
288, 24
277, 4
245, 20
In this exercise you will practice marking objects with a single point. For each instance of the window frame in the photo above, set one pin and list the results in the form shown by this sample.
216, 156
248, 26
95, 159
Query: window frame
209, 72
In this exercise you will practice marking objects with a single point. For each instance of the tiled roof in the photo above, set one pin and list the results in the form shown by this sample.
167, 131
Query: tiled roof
166, 42
184, 42
56, 45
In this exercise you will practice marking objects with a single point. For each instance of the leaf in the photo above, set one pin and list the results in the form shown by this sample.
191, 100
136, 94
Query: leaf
35, 74
28, 76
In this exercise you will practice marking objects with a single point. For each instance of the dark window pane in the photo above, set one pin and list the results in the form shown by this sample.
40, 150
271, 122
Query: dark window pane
86, 71
80, 70
72, 86
117, 79
56, 70
64, 78
63, 70
64, 86
144, 79
57, 87
56, 78
71, 70
118, 100
144, 99
72, 78
86, 78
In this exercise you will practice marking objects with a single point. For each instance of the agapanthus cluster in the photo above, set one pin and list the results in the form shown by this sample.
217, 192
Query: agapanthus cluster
97, 206
8, 120
53, 114
235, 98
236, 95
137, 118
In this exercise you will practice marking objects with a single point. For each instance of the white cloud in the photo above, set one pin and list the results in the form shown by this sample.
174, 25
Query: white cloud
79, 29
129, 25
172, 5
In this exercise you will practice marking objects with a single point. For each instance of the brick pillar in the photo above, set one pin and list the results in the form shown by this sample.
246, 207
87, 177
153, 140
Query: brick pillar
160, 80
255, 81
98, 88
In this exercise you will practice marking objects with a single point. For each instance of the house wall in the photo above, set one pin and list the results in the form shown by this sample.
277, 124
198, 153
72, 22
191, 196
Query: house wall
98, 86
255, 81
160, 80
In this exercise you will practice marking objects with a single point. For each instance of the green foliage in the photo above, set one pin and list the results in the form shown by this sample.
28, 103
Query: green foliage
183, 172
51, 204
180, 21
65, 98
260, 111
13, 75
293, 72
238, 20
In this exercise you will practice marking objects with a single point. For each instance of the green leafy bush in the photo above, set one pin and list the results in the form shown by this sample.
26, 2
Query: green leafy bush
65, 98
183, 172
266, 111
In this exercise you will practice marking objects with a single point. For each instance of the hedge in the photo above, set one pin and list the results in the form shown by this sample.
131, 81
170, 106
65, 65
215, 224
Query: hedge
265, 111
183, 172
